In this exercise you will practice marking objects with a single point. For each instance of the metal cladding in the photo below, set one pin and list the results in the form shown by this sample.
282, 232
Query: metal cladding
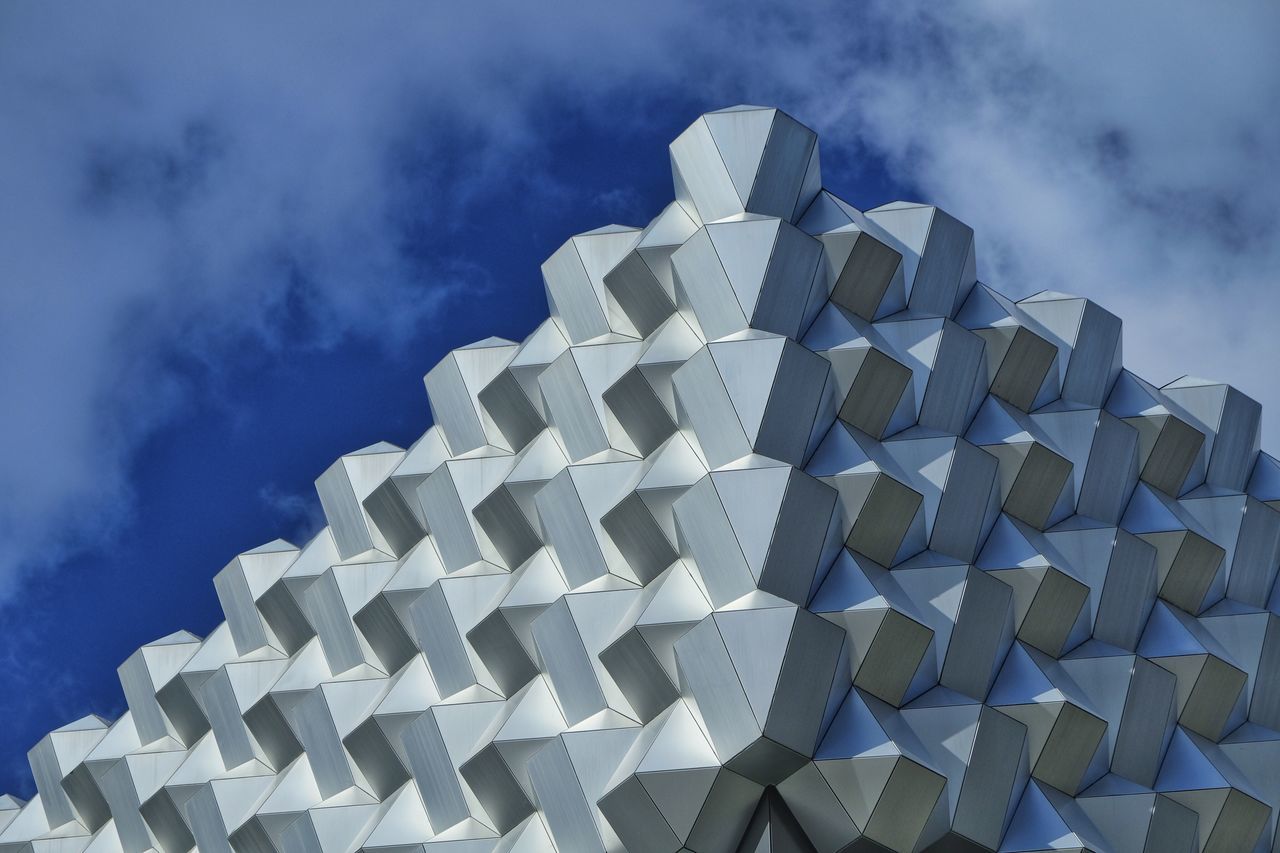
783, 533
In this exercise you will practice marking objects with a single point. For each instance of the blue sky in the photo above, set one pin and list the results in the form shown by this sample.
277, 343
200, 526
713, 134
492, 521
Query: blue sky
233, 239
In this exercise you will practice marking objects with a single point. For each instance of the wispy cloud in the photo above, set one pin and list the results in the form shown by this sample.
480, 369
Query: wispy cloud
301, 513
184, 181
1122, 152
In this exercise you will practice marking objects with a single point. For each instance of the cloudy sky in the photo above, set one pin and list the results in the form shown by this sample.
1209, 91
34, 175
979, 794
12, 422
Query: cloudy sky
233, 237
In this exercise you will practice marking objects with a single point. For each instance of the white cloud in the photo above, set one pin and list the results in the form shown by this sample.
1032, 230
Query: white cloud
183, 180
1124, 152
186, 179
301, 512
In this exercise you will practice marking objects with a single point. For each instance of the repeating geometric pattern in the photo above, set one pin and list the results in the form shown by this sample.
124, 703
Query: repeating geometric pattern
783, 533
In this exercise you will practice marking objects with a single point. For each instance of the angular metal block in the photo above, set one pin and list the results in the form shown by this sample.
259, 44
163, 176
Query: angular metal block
343, 489
1089, 344
781, 533
574, 280
641, 282
875, 392
762, 681
756, 528
742, 274
746, 159
867, 274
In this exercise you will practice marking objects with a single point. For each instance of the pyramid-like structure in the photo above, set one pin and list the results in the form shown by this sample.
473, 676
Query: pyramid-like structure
782, 533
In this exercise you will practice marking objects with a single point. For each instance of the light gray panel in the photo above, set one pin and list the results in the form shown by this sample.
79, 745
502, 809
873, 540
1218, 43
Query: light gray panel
1111, 472
793, 404
698, 161
437, 636
795, 260
450, 528
1257, 555
343, 511
707, 673
570, 409
564, 658
117, 787
710, 540
140, 695
995, 762
981, 635
560, 797
571, 293
1145, 726
798, 539
219, 702
48, 778
568, 531
239, 608
702, 397
700, 277
452, 408
314, 724
938, 285
1095, 358
809, 671
971, 484
949, 399
322, 602
786, 157
433, 773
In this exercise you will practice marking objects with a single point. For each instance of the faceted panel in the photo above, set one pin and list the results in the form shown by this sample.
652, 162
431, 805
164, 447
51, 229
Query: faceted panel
782, 533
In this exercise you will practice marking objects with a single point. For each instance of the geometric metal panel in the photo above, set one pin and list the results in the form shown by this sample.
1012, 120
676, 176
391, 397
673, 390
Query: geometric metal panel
783, 532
